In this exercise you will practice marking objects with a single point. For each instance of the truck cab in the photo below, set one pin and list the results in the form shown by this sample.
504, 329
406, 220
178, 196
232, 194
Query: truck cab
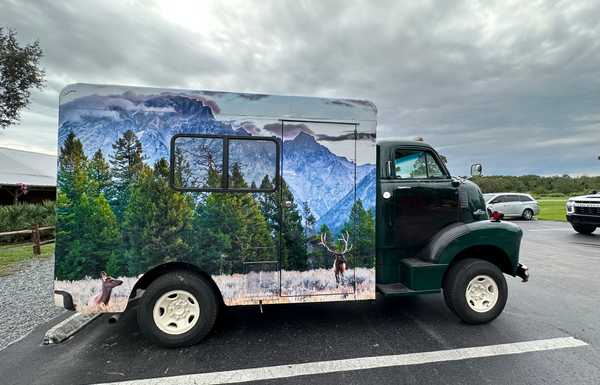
433, 233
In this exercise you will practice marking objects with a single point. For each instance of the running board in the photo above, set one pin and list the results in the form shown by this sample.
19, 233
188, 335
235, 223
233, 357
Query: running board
398, 290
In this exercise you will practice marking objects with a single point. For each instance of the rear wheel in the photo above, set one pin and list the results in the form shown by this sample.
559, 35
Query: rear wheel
528, 214
584, 229
475, 290
178, 309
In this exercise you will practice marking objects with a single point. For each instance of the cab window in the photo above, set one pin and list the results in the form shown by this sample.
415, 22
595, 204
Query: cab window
410, 164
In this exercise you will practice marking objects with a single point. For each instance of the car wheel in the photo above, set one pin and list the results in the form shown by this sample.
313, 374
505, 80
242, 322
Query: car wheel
475, 290
527, 214
178, 309
584, 229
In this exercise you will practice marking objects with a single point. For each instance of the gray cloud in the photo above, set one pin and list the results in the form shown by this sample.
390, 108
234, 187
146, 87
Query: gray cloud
514, 85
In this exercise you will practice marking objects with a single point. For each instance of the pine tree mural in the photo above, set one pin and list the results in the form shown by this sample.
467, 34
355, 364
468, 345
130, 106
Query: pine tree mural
127, 163
156, 219
88, 230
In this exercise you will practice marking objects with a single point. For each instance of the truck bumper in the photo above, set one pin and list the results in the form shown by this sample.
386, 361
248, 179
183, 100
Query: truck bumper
584, 219
523, 272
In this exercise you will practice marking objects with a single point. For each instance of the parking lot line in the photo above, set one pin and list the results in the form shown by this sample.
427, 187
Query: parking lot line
361, 363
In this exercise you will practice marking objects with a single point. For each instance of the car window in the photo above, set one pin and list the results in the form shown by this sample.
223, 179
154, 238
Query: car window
410, 164
433, 168
499, 199
514, 198
525, 198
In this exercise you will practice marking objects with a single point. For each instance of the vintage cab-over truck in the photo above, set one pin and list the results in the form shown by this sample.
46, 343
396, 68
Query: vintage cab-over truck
185, 201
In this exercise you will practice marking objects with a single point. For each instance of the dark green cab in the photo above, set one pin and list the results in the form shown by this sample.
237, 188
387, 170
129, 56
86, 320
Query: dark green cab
434, 233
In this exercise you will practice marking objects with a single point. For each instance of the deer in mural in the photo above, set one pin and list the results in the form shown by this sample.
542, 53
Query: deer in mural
108, 283
339, 264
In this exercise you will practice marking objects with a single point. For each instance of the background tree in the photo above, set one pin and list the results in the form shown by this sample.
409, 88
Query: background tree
309, 218
293, 240
361, 226
323, 258
72, 162
19, 72
127, 163
88, 235
230, 229
156, 220
99, 173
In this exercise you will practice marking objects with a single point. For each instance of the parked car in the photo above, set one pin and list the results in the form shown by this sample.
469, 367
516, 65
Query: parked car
512, 205
583, 212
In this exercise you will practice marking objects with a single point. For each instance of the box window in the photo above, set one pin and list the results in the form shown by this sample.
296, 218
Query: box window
224, 163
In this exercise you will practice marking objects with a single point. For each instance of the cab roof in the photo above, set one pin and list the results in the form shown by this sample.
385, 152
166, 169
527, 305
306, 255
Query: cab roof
403, 143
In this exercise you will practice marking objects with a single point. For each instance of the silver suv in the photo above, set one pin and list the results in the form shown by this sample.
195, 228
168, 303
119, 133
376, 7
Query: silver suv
512, 204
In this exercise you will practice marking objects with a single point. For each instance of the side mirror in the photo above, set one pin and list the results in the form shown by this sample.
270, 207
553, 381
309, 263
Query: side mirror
476, 169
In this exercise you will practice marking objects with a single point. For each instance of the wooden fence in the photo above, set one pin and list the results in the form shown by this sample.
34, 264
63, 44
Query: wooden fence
36, 239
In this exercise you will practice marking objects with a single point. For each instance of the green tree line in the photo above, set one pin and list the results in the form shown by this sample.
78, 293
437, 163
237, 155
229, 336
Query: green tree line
121, 216
539, 185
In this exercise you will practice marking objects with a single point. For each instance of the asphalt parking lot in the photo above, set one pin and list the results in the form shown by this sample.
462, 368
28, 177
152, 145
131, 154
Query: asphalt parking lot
562, 299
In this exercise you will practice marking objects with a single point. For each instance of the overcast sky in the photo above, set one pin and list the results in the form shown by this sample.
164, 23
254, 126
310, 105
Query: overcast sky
513, 85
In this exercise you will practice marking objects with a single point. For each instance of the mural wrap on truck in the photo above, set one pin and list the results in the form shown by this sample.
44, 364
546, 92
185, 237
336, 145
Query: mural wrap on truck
272, 196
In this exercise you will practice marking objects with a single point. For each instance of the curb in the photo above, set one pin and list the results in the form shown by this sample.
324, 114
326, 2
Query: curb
68, 327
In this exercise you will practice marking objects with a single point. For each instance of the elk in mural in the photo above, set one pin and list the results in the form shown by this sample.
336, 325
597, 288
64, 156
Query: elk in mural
339, 264
108, 283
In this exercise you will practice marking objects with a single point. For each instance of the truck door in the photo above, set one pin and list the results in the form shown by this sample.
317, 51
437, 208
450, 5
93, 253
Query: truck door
425, 199
318, 182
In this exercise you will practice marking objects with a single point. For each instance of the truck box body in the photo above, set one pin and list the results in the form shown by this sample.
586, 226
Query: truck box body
239, 187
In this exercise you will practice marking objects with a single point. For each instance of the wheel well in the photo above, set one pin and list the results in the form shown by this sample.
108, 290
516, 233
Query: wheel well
492, 254
149, 277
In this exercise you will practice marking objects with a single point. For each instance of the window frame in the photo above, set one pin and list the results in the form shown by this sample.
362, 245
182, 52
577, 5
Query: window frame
225, 172
426, 151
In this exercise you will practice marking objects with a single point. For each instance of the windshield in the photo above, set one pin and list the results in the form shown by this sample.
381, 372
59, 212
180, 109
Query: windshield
488, 197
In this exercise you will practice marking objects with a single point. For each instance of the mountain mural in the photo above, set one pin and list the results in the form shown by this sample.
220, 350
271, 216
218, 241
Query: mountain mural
156, 118
338, 214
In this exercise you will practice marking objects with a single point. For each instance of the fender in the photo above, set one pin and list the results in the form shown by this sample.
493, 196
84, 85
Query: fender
458, 237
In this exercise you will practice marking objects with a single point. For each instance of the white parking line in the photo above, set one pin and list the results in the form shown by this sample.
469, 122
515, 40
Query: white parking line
547, 229
324, 367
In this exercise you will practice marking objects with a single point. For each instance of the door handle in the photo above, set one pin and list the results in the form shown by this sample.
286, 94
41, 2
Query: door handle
403, 187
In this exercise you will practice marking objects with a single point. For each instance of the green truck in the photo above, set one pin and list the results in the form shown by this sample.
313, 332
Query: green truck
177, 203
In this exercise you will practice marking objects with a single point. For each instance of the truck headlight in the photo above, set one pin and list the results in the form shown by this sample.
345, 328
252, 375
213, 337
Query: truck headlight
570, 206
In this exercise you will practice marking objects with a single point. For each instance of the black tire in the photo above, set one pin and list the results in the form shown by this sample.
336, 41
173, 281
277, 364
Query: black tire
178, 280
527, 214
584, 229
457, 281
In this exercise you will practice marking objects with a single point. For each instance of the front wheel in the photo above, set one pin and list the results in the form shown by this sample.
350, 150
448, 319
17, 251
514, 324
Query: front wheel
475, 290
178, 309
584, 229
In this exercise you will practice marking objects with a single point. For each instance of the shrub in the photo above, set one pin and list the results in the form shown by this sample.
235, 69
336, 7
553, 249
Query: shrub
24, 215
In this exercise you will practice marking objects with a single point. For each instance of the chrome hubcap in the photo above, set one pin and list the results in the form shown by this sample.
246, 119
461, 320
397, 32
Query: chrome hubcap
176, 312
482, 293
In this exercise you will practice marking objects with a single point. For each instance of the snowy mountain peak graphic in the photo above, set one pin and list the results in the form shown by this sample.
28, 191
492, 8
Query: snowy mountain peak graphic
313, 173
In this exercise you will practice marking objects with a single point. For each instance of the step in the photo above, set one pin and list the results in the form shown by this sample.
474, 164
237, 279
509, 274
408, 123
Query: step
421, 275
398, 289
394, 289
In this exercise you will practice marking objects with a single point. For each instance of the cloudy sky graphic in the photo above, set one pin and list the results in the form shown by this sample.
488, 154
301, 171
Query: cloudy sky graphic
514, 85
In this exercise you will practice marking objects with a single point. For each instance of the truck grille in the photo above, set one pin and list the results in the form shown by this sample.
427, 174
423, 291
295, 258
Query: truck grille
587, 210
